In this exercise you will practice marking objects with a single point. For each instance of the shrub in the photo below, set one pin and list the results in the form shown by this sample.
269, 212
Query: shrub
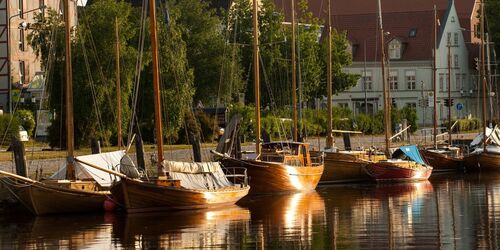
26, 119
9, 127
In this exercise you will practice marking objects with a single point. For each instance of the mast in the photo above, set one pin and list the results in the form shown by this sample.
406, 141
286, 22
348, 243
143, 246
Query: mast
118, 94
329, 136
483, 76
70, 168
294, 78
156, 85
387, 107
256, 75
449, 94
434, 80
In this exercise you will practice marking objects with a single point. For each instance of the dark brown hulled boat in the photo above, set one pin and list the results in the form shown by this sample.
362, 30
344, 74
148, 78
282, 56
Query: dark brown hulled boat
483, 161
283, 167
398, 170
190, 186
347, 166
444, 159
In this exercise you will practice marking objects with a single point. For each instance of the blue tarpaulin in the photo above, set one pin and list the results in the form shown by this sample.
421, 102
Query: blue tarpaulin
412, 152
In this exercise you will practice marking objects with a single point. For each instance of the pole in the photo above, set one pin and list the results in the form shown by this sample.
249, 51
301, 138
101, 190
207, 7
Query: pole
387, 108
488, 74
256, 75
329, 136
70, 169
449, 95
483, 77
434, 79
118, 88
364, 76
156, 86
294, 77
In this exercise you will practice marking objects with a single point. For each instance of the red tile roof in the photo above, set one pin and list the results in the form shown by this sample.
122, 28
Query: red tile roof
359, 19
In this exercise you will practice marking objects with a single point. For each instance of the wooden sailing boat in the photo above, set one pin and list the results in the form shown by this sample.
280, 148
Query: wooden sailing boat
188, 185
412, 167
442, 157
345, 165
67, 195
277, 166
486, 157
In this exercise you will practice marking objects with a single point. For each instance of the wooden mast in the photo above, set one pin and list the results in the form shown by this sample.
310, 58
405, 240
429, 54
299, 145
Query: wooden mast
387, 107
449, 94
118, 94
483, 77
329, 136
434, 79
256, 75
156, 85
70, 168
294, 78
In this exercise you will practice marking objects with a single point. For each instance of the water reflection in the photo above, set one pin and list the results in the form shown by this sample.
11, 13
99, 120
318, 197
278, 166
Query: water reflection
459, 212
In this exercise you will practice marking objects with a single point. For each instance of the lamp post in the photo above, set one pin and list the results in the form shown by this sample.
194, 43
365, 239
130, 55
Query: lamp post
9, 86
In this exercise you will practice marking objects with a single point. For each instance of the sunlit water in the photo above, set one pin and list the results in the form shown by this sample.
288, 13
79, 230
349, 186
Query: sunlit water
448, 212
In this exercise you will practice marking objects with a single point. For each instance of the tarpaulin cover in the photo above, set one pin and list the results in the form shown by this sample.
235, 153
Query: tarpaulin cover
412, 152
198, 175
110, 160
493, 136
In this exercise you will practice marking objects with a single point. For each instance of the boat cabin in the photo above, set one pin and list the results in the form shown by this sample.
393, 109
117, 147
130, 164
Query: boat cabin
290, 153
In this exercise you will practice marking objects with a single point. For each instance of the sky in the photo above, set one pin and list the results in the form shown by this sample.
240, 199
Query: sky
82, 2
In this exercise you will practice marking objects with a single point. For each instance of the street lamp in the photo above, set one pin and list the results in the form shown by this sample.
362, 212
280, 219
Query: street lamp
24, 25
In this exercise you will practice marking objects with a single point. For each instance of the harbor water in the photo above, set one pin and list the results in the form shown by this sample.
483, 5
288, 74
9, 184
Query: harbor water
449, 211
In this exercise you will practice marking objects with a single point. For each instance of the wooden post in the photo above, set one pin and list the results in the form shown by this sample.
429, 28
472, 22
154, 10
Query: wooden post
449, 94
95, 146
118, 88
483, 76
329, 135
19, 157
70, 169
156, 85
434, 79
387, 105
194, 140
294, 78
256, 75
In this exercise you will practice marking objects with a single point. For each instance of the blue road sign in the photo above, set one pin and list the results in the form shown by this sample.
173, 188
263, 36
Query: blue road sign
459, 106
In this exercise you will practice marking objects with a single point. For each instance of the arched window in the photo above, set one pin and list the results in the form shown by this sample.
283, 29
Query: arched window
395, 49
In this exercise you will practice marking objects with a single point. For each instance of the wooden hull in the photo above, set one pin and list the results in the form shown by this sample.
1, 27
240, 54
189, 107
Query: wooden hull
137, 196
442, 162
270, 177
390, 171
341, 168
41, 199
483, 161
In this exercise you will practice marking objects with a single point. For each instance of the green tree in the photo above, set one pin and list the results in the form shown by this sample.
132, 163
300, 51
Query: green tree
217, 72
26, 119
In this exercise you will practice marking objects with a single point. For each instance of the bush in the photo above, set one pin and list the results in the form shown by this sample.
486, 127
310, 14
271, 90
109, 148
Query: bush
26, 119
9, 127
464, 125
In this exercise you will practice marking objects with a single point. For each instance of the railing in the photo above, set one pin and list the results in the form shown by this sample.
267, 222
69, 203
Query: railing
317, 158
237, 175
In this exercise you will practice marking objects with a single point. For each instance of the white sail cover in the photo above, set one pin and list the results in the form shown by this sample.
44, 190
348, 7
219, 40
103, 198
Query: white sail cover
110, 160
493, 136
198, 175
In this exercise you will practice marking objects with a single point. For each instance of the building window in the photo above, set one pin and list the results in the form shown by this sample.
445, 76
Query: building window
410, 79
464, 81
22, 71
367, 80
441, 82
20, 9
413, 33
455, 61
458, 81
452, 19
21, 39
343, 105
448, 38
395, 49
455, 38
393, 80
411, 105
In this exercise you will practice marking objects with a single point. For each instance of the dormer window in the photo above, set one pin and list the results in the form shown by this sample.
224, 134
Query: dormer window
452, 19
412, 33
395, 49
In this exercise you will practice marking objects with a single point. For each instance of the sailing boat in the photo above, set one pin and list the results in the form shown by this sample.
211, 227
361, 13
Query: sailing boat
408, 165
346, 165
187, 185
75, 188
442, 158
278, 166
485, 147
